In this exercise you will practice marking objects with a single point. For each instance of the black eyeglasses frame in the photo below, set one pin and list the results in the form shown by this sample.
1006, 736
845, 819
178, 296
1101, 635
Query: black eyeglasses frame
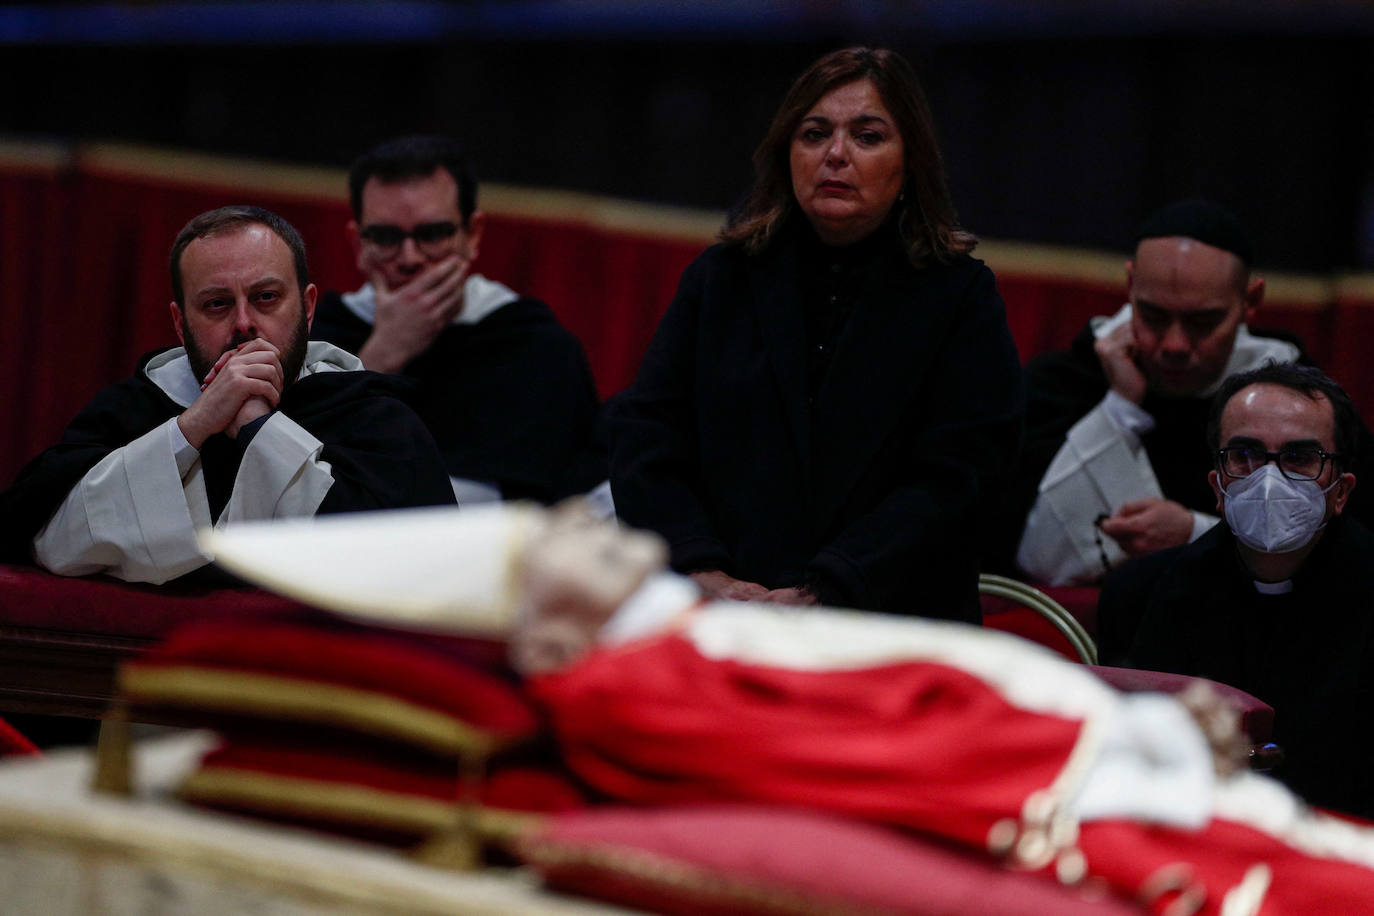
1276, 458
429, 237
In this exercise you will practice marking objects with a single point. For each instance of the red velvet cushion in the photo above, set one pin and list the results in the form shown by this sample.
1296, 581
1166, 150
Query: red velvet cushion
744, 859
513, 787
1023, 622
362, 790
346, 677
35, 599
1078, 600
1013, 617
1256, 716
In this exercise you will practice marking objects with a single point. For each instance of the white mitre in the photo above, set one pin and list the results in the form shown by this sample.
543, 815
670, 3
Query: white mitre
478, 570
427, 567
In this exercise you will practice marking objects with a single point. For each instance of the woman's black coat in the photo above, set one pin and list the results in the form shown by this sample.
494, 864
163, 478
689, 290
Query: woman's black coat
873, 493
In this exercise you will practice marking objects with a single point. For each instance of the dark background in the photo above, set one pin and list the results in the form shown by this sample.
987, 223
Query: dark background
1062, 122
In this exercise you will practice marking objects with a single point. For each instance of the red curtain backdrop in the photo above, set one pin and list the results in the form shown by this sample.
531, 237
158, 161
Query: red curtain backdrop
84, 236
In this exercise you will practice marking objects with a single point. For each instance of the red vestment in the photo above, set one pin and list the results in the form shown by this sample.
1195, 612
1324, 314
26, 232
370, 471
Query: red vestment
927, 744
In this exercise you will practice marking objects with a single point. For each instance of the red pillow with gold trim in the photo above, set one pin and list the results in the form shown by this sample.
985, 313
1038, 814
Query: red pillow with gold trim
371, 793
347, 678
727, 860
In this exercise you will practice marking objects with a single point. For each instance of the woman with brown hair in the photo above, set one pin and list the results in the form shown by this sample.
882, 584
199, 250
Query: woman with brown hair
833, 392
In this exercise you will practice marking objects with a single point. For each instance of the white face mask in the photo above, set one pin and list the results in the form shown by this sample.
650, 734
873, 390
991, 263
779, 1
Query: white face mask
1273, 514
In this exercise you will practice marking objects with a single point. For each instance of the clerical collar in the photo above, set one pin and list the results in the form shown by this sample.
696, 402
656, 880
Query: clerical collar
1274, 588
1314, 566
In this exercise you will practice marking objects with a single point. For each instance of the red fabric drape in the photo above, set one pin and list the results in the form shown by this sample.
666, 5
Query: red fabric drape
1350, 363
1045, 314
33, 205
84, 287
609, 289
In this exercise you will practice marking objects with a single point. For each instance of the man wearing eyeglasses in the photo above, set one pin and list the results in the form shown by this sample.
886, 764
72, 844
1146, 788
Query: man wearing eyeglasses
1113, 464
505, 389
1278, 600
247, 420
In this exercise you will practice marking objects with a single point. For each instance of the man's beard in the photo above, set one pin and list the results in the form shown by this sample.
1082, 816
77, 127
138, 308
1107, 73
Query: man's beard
292, 354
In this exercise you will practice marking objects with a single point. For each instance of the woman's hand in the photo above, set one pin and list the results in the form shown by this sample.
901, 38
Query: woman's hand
797, 596
716, 584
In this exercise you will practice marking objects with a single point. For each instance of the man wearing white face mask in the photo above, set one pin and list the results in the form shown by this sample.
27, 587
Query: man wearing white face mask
1278, 601
1113, 464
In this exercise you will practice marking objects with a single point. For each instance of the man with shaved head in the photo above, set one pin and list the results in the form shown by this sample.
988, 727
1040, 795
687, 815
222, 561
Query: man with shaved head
1114, 464
247, 419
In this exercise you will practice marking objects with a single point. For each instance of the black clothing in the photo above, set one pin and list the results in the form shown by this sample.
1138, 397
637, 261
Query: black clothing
830, 283
1062, 387
380, 454
868, 494
1309, 653
509, 399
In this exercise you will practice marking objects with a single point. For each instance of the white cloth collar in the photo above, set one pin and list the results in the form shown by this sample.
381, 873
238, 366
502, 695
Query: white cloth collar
1249, 352
481, 297
1274, 588
171, 370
